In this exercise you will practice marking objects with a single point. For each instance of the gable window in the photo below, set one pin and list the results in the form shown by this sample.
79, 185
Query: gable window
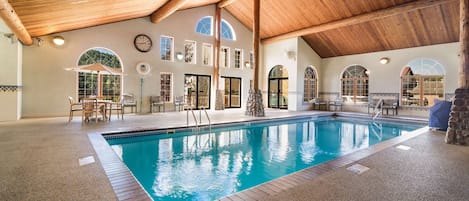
310, 84
225, 57
166, 84
422, 81
238, 58
227, 31
93, 83
205, 27
355, 84
166, 48
189, 51
207, 50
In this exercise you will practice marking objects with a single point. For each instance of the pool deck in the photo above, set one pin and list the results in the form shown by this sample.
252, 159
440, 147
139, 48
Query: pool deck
39, 161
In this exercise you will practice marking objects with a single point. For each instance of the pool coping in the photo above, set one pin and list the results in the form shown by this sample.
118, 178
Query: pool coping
127, 187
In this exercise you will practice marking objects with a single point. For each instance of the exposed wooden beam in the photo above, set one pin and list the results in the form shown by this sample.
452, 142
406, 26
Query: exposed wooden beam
166, 10
223, 3
12, 20
366, 17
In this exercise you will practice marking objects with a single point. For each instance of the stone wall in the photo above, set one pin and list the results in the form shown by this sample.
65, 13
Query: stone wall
458, 130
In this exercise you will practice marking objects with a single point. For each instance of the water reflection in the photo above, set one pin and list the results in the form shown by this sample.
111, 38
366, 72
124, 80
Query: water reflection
211, 165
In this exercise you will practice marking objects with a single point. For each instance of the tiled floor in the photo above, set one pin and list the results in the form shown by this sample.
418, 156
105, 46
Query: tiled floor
39, 161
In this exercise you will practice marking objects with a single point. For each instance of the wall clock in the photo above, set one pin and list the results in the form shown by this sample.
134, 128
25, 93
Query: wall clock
143, 43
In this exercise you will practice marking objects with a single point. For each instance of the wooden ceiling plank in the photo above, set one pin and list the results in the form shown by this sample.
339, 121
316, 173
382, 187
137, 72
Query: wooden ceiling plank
224, 3
382, 13
11, 19
166, 10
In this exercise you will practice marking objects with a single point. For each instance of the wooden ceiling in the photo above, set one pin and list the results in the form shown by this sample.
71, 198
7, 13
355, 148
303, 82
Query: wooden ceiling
427, 26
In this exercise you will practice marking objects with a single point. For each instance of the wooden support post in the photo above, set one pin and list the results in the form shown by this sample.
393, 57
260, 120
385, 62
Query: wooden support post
11, 19
166, 10
256, 41
464, 44
219, 104
458, 126
366, 17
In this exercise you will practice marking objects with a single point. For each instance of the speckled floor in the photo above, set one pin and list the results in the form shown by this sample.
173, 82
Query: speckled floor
39, 161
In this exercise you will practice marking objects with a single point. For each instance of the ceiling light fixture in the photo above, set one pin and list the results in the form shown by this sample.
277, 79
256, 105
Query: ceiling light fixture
384, 60
58, 40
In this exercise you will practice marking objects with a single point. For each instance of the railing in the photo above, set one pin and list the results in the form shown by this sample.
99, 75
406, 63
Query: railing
193, 115
208, 118
378, 110
379, 134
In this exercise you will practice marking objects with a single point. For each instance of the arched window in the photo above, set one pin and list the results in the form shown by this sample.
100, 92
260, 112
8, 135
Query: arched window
310, 84
422, 81
227, 31
205, 27
355, 84
100, 83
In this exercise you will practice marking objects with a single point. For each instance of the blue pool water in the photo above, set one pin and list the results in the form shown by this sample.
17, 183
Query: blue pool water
210, 165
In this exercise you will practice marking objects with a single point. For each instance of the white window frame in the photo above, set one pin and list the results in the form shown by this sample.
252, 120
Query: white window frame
208, 53
194, 56
225, 57
164, 84
238, 62
171, 56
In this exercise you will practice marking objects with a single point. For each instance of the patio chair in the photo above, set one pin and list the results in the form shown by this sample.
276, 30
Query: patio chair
129, 101
337, 104
90, 107
74, 107
178, 103
156, 101
118, 107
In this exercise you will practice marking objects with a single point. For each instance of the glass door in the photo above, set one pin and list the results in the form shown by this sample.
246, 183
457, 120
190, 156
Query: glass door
283, 94
232, 96
278, 93
197, 91
273, 93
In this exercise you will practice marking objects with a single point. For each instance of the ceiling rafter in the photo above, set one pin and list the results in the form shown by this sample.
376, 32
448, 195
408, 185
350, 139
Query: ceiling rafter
224, 3
11, 19
166, 10
379, 14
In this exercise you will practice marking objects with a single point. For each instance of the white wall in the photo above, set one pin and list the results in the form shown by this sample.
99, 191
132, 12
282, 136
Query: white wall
386, 78
306, 57
10, 74
275, 54
47, 84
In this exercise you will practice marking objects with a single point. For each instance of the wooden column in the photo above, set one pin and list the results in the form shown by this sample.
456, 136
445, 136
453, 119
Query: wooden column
464, 40
256, 42
219, 104
254, 106
458, 123
11, 19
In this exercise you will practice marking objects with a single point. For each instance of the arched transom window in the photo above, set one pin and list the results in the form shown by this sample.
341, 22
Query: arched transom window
205, 27
422, 81
355, 84
310, 84
105, 82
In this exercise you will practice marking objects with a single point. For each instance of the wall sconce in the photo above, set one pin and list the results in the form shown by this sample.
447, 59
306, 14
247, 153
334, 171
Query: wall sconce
384, 60
179, 56
58, 40
290, 54
247, 64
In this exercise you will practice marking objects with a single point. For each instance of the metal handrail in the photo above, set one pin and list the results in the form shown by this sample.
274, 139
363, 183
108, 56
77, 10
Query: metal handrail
193, 115
376, 111
208, 118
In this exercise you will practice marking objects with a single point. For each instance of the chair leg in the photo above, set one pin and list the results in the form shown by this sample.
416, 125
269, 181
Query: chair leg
70, 115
